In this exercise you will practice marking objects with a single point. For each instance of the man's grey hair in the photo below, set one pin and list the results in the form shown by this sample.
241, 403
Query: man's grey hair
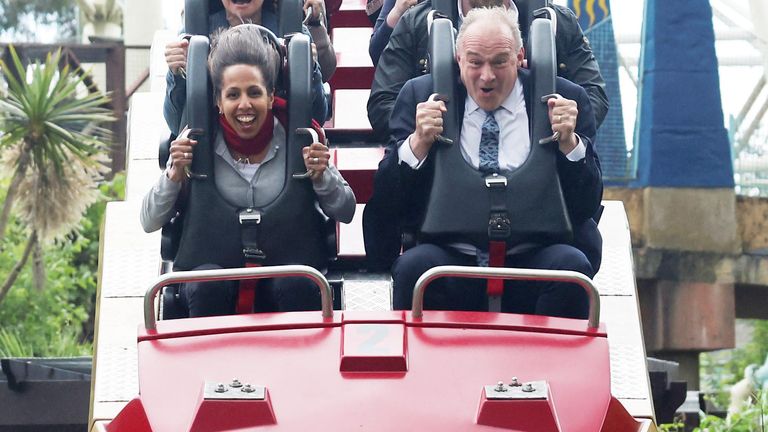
496, 16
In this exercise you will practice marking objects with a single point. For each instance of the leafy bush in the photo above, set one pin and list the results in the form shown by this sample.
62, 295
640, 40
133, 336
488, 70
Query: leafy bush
751, 418
720, 370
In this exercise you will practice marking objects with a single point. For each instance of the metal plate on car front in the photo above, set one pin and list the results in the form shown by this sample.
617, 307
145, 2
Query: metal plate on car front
224, 391
522, 391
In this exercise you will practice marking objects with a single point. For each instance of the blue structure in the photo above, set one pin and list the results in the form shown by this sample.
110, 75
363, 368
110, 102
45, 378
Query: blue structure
681, 138
595, 20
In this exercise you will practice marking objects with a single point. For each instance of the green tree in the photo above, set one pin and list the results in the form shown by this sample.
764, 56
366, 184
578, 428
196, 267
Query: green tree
57, 322
53, 143
21, 18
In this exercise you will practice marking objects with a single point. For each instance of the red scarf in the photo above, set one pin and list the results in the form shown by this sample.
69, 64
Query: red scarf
257, 144
248, 146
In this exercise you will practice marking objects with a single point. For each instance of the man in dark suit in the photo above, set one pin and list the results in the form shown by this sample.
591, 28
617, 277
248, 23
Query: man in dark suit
405, 57
494, 91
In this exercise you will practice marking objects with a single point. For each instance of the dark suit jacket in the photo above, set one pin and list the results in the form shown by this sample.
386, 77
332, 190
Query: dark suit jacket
400, 192
405, 57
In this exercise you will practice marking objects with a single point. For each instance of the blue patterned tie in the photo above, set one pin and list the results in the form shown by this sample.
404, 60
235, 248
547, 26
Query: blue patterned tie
489, 145
489, 162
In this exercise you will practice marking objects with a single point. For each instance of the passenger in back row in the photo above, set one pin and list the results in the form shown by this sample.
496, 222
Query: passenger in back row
237, 12
405, 58
249, 172
494, 139
405, 55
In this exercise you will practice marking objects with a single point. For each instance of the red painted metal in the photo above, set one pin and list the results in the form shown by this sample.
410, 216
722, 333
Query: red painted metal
373, 347
520, 415
352, 77
358, 166
340, 374
132, 418
227, 415
618, 419
351, 14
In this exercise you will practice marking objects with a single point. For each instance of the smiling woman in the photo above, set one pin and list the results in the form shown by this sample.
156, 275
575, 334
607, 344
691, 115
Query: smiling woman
249, 160
225, 14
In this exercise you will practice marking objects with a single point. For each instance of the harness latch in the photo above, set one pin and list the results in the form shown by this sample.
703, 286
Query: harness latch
499, 224
495, 181
249, 216
249, 220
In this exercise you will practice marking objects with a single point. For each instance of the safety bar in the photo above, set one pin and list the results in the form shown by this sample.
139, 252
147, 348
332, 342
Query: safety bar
238, 274
508, 274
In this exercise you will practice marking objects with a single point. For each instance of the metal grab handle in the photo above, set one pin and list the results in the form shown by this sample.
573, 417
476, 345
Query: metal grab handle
555, 136
308, 15
237, 274
186, 133
507, 274
438, 97
312, 133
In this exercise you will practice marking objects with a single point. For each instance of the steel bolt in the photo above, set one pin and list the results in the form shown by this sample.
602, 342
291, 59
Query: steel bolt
528, 388
515, 382
500, 387
220, 388
248, 389
235, 383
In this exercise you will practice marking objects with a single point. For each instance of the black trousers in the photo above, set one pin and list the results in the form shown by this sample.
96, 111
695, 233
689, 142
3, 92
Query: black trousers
539, 298
272, 295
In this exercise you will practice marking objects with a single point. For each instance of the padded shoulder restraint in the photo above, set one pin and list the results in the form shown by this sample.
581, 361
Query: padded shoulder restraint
462, 201
290, 229
290, 15
447, 9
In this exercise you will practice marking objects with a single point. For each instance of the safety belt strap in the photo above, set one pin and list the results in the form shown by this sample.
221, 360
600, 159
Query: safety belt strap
250, 220
499, 229
246, 294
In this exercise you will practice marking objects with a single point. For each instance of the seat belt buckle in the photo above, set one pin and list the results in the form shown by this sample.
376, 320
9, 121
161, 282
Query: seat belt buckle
249, 216
499, 226
495, 181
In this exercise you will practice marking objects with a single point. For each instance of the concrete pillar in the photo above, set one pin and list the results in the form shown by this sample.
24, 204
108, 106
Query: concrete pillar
685, 171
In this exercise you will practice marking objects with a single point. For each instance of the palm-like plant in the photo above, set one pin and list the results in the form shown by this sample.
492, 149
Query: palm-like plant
52, 141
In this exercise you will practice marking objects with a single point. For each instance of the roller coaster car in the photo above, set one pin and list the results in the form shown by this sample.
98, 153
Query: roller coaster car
380, 371
398, 370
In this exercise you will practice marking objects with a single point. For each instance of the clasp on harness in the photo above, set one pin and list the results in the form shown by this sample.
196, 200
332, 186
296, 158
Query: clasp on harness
499, 226
495, 180
249, 216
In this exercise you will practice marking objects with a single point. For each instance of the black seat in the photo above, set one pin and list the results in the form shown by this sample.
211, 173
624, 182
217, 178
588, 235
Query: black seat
294, 80
290, 15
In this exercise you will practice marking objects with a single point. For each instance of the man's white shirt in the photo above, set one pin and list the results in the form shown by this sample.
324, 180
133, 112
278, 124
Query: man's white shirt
514, 134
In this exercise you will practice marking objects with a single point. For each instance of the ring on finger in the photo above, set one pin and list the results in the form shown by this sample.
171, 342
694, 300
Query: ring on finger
186, 155
315, 160
558, 118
